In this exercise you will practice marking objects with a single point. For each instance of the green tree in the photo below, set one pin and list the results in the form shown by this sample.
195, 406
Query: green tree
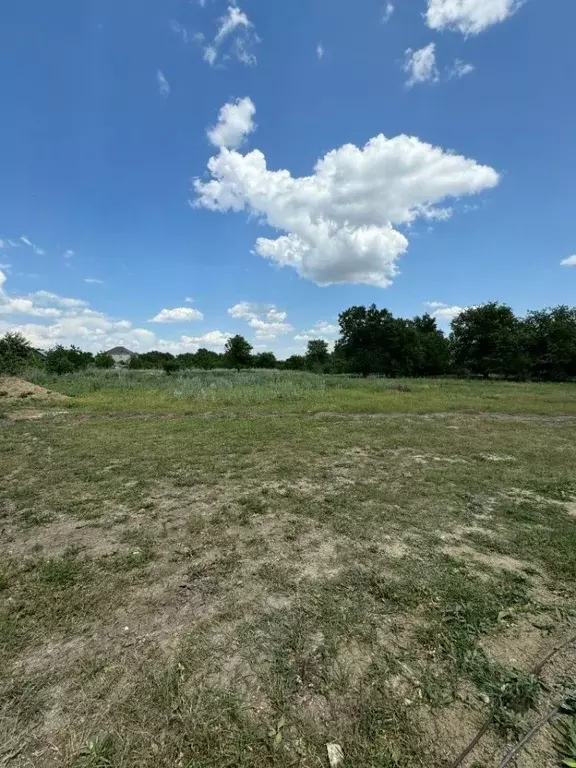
62, 360
154, 359
207, 359
238, 352
295, 363
186, 360
550, 343
317, 355
102, 360
488, 340
170, 367
58, 361
265, 360
372, 341
433, 347
15, 353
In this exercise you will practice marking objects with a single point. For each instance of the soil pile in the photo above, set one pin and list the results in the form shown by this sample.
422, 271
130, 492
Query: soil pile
14, 390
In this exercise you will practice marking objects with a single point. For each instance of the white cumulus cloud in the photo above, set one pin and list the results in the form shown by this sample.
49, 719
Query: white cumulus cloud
177, 315
569, 262
469, 16
235, 122
444, 311
47, 298
215, 340
62, 320
342, 223
420, 65
322, 330
266, 319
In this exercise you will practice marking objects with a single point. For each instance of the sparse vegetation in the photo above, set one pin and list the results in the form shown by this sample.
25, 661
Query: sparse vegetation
207, 569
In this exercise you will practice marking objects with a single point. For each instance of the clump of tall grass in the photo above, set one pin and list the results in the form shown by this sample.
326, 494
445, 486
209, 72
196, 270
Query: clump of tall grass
252, 386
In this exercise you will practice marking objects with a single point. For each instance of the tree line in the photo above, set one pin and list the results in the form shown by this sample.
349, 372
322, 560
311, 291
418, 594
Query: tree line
488, 341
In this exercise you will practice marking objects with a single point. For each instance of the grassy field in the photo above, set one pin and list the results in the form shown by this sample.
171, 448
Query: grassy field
236, 570
292, 392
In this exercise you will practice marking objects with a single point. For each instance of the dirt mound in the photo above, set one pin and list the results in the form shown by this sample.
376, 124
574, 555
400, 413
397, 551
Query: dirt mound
13, 390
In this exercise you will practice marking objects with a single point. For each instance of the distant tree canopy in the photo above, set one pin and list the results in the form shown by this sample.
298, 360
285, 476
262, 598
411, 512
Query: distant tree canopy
317, 355
373, 341
62, 360
207, 359
487, 340
153, 359
103, 360
238, 352
549, 339
264, 360
295, 363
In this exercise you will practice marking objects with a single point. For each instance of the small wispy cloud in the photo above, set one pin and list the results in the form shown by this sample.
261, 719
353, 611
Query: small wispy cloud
26, 241
460, 69
179, 30
234, 25
189, 299
2, 244
14, 243
569, 262
210, 55
421, 66
233, 19
5, 266
320, 51
69, 254
387, 12
163, 84
93, 280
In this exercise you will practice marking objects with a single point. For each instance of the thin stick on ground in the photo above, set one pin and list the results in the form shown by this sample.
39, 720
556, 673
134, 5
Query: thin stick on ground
534, 671
515, 751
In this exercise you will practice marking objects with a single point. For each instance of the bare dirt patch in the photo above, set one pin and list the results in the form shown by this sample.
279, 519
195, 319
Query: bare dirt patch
520, 494
31, 414
492, 559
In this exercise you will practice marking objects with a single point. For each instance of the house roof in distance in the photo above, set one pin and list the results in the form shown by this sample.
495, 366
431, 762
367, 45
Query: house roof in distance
119, 351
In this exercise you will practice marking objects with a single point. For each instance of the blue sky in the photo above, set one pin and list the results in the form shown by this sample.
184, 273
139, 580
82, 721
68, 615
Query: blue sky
446, 128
